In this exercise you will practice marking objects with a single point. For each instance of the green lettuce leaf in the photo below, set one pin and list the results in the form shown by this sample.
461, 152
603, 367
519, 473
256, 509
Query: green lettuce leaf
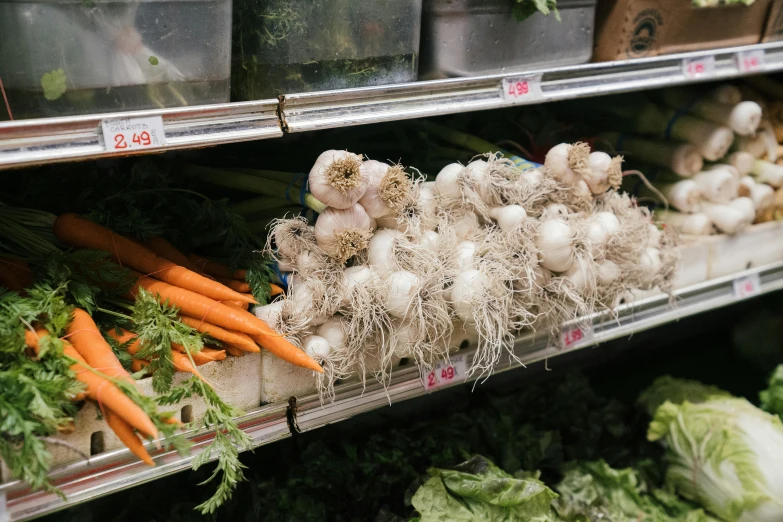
772, 398
477, 490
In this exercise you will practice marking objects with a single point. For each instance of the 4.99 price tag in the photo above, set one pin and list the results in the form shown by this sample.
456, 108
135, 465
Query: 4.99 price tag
747, 286
126, 134
446, 372
699, 67
522, 88
573, 334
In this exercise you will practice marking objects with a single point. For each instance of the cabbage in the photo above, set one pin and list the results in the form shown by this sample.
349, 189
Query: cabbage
772, 397
722, 453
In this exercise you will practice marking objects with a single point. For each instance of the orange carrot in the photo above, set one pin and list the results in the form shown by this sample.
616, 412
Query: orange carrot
275, 290
138, 364
236, 306
75, 230
88, 341
31, 339
180, 360
234, 284
216, 269
103, 391
235, 351
168, 251
237, 339
203, 356
125, 433
204, 308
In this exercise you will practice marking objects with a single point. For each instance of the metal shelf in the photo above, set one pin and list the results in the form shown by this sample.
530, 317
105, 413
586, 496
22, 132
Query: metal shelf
117, 470
32, 142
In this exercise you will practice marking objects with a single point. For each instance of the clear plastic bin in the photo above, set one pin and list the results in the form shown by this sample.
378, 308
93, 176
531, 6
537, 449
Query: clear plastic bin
61, 57
288, 46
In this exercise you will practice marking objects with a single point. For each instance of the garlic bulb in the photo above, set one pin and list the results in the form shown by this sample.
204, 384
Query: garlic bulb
608, 272
380, 250
465, 255
316, 346
404, 286
555, 244
604, 172
447, 181
353, 276
508, 218
336, 179
600, 228
388, 188
343, 233
568, 163
333, 330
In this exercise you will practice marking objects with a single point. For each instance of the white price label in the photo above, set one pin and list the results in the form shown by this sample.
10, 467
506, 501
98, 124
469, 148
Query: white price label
747, 286
750, 61
700, 67
573, 334
446, 372
126, 134
522, 88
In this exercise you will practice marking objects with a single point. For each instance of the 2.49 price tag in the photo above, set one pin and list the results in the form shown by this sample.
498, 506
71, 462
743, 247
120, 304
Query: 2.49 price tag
522, 88
126, 134
747, 286
573, 334
699, 67
446, 372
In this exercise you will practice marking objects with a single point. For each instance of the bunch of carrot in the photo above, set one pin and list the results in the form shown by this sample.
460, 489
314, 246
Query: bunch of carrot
96, 366
207, 305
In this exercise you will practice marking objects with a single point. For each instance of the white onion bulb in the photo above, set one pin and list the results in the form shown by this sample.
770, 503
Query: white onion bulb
336, 179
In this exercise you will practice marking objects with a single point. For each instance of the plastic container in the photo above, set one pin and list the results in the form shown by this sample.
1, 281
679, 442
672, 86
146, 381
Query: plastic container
289, 46
61, 57
477, 37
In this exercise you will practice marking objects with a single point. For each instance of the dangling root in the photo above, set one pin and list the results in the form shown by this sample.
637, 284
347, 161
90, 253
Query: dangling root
350, 242
395, 187
616, 172
345, 174
291, 236
334, 370
670, 260
577, 159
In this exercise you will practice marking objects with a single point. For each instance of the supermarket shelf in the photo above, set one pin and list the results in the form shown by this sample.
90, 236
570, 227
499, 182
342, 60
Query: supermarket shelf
111, 472
32, 142
341, 108
48, 140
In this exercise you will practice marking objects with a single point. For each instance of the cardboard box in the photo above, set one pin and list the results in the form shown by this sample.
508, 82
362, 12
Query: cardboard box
774, 30
627, 29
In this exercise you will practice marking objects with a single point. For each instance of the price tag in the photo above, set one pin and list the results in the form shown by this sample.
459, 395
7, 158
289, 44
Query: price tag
522, 88
750, 61
747, 286
573, 334
126, 134
700, 67
446, 372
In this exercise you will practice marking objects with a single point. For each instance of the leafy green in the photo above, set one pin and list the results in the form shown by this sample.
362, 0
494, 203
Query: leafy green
772, 397
523, 9
54, 84
477, 490
36, 396
259, 276
595, 491
724, 454
227, 443
677, 391
157, 327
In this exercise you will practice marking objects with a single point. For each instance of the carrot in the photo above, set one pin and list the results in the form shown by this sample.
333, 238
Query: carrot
125, 433
216, 269
236, 306
180, 360
88, 341
203, 356
237, 339
15, 274
31, 339
75, 230
275, 290
103, 391
138, 364
235, 351
233, 284
168, 251
195, 305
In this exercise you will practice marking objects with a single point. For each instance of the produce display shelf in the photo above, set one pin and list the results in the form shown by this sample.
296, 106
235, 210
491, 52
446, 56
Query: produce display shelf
117, 470
31, 142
